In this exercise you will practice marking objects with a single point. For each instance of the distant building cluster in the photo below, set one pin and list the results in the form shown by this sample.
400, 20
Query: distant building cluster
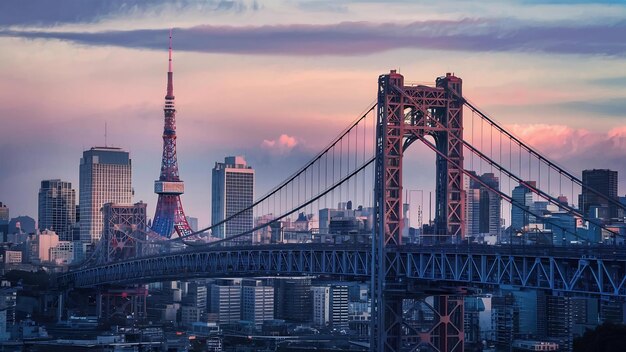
103, 222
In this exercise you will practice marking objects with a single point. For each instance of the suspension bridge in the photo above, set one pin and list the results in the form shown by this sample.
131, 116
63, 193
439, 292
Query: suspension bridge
363, 165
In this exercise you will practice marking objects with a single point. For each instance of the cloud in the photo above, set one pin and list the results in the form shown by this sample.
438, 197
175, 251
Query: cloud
282, 145
358, 38
50, 13
562, 142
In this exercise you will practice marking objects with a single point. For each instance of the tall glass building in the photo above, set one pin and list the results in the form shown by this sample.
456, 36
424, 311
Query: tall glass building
523, 202
604, 182
57, 208
232, 191
105, 177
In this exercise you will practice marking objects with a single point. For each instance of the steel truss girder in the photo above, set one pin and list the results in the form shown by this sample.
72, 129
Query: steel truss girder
568, 270
231, 261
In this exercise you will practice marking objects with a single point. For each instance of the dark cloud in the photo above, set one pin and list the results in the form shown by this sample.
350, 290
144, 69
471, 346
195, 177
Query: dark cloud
605, 107
50, 13
358, 38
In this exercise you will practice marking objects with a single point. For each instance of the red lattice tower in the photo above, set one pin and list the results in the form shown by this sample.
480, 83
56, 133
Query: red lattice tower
169, 215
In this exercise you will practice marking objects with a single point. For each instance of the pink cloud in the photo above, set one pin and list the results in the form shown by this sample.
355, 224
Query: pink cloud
560, 141
283, 144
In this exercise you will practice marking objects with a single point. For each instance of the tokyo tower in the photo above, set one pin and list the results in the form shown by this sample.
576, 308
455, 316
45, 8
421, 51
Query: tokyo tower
169, 217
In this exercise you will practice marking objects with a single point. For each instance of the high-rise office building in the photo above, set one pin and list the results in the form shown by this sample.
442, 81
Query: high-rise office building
522, 204
472, 211
321, 305
57, 208
339, 306
194, 303
4, 222
232, 191
105, 177
560, 321
505, 320
605, 183
225, 301
483, 206
293, 298
489, 219
257, 302
4, 212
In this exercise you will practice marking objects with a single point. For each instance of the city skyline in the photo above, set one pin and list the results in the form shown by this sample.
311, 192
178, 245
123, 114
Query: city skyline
539, 89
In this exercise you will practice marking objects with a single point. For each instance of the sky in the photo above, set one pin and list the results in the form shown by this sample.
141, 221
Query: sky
275, 81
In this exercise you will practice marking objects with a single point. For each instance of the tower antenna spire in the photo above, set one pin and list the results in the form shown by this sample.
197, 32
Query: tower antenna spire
170, 62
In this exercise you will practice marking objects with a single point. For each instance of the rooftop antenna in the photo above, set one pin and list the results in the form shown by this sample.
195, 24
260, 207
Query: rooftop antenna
105, 134
170, 62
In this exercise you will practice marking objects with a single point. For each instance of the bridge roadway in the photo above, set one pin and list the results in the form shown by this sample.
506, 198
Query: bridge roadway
579, 270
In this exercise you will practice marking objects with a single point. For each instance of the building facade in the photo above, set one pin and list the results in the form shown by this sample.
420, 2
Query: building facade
483, 206
57, 208
339, 306
4, 222
321, 305
604, 182
105, 177
257, 302
225, 301
293, 298
232, 191
521, 205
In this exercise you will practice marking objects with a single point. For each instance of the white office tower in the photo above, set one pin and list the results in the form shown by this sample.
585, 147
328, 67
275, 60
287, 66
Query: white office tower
105, 177
257, 302
232, 192
225, 301
321, 305
57, 208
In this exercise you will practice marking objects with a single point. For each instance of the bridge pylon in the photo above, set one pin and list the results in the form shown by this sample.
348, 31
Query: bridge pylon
404, 114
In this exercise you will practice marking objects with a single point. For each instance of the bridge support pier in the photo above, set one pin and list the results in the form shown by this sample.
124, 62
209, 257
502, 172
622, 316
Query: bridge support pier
60, 302
446, 334
99, 305
393, 321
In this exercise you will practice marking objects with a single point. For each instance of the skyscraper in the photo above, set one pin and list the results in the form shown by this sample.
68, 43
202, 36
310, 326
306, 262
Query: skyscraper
226, 300
339, 306
105, 177
4, 222
257, 302
293, 298
603, 181
321, 305
232, 191
57, 208
4, 212
483, 206
489, 219
522, 203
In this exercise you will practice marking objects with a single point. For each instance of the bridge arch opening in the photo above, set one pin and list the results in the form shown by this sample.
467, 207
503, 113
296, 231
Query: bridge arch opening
418, 177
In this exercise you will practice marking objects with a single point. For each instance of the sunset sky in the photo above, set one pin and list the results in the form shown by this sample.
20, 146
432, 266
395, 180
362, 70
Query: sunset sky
275, 81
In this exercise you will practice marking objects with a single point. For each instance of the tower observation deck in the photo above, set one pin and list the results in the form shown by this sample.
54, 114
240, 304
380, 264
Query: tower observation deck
169, 216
